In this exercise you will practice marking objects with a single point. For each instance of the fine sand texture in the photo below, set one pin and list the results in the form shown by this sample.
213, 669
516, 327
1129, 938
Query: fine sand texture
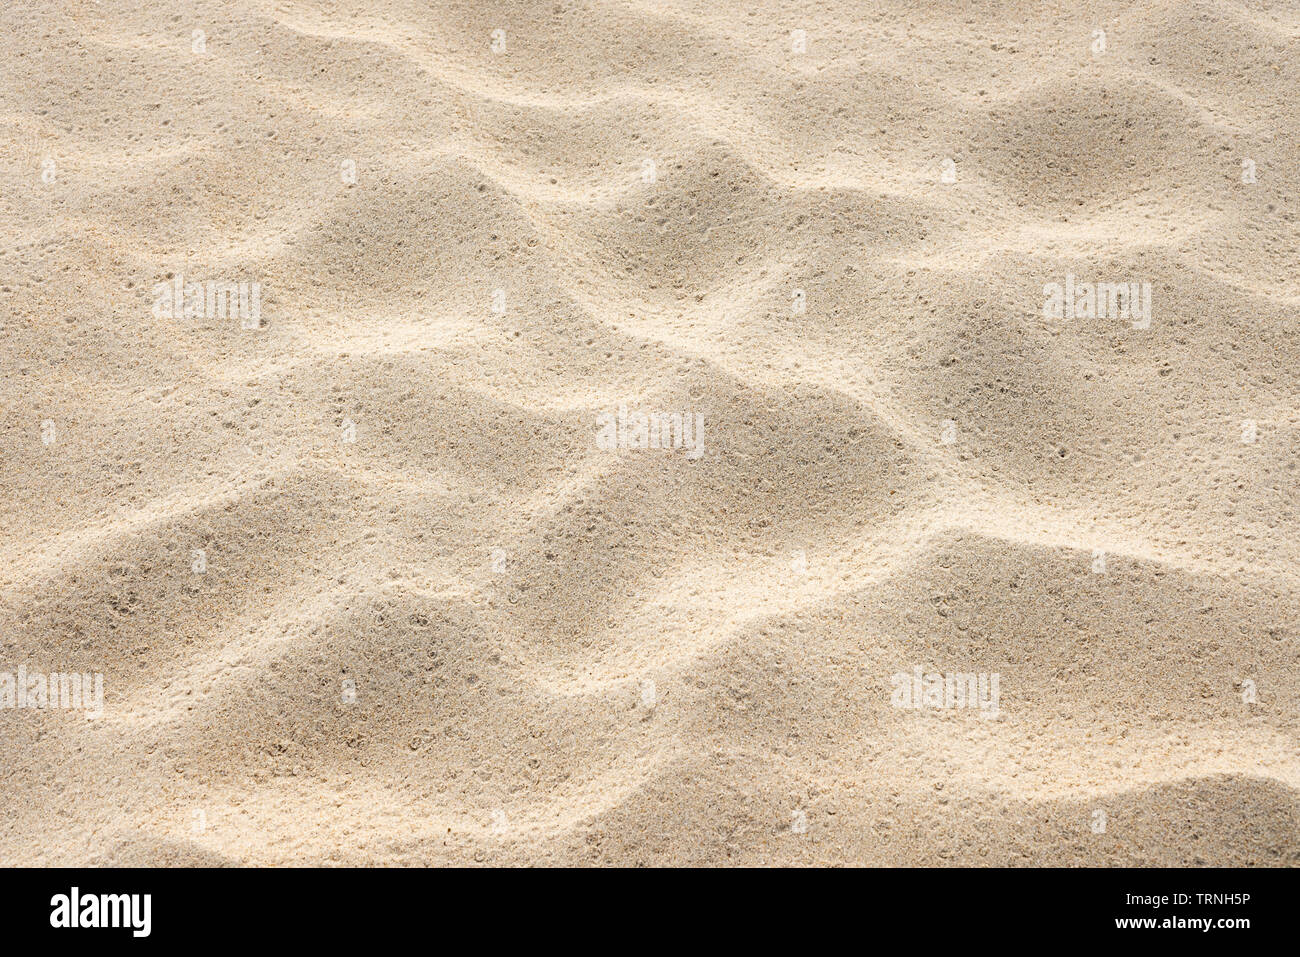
614, 432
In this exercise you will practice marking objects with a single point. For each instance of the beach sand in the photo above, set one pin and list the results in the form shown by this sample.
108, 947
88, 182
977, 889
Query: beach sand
374, 570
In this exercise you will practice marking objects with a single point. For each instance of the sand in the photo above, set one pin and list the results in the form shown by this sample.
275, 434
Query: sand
375, 570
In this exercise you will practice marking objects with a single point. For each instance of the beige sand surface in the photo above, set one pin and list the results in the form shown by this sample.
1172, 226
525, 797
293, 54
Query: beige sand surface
364, 586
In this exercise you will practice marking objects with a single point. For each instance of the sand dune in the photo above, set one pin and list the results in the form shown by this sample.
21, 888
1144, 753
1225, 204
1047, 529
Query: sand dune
374, 570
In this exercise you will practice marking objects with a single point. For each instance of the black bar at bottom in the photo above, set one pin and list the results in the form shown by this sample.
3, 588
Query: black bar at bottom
339, 908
